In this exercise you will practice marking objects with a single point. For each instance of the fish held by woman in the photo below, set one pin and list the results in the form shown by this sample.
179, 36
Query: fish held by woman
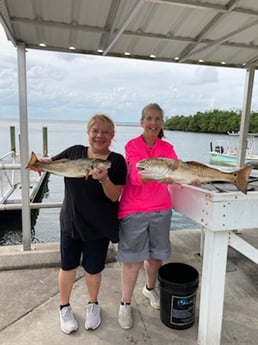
66, 167
187, 172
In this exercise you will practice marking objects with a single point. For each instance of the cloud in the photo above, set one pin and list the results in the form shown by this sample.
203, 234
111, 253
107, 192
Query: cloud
205, 75
75, 86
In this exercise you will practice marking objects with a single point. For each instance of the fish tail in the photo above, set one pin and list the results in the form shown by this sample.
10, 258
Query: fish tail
242, 178
33, 159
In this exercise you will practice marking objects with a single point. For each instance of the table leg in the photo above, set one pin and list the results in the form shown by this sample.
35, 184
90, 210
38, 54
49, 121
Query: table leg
212, 287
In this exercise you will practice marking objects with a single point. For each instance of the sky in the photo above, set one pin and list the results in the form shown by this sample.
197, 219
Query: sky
74, 86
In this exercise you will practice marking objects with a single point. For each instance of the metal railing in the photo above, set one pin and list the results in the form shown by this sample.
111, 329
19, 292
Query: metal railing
7, 174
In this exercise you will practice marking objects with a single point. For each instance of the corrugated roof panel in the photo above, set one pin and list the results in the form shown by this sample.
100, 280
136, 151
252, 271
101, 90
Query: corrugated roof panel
25, 32
88, 41
248, 36
248, 4
212, 30
93, 12
186, 22
230, 23
55, 11
24, 11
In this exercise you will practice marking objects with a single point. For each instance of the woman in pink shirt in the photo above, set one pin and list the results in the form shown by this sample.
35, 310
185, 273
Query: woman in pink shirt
145, 215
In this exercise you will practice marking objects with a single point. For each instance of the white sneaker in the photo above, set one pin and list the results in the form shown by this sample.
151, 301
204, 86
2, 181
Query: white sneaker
67, 320
93, 319
153, 297
125, 316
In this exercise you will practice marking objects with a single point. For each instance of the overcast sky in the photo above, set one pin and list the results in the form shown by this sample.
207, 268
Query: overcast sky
73, 86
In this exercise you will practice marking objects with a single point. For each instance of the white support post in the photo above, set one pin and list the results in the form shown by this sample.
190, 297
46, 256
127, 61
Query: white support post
212, 287
245, 117
24, 147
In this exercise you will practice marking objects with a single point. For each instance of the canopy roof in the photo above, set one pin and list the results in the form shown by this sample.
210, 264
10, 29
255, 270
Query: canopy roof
217, 32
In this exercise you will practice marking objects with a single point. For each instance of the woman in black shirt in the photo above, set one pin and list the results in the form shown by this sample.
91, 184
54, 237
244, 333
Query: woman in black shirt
88, 220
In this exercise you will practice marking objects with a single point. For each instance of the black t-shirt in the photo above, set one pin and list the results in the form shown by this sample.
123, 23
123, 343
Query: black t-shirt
87, 213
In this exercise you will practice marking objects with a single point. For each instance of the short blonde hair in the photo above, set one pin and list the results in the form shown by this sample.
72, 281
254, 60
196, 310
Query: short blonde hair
104, 120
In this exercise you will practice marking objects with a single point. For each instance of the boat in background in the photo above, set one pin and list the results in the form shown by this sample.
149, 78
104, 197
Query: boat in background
233, 133
237, 133
224, 153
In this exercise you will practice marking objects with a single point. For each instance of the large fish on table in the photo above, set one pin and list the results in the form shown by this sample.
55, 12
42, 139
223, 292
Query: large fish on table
66, 167
187, 172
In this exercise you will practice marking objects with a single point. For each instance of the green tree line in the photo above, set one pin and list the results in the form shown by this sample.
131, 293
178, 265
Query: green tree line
213, 121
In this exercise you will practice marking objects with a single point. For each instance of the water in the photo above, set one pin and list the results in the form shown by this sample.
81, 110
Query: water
189, 146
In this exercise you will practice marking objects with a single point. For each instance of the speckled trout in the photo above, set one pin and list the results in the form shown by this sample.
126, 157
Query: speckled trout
66, 167
186, 172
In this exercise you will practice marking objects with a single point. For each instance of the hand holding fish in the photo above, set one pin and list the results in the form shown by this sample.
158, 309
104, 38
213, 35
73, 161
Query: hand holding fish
100, 174
196, 182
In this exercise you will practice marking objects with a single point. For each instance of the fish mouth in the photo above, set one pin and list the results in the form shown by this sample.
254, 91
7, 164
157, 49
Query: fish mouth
140, 168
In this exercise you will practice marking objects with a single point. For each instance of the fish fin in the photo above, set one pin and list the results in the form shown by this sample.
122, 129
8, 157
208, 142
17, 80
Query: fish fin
33, 159
88, 172
242, 177
196, 163
173, 164
63, 160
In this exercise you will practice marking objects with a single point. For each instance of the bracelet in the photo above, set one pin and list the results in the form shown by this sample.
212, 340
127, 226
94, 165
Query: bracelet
104, 181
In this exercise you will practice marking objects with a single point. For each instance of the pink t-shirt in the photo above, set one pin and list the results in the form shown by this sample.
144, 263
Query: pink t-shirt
144, 197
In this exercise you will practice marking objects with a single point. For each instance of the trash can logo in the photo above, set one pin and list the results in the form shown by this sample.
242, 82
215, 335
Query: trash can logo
184, 301
182, 310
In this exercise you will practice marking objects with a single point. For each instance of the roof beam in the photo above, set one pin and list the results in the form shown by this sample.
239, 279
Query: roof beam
190, 3
220, 40
120, 31
48, 23
137, 34
231, 6
111, 22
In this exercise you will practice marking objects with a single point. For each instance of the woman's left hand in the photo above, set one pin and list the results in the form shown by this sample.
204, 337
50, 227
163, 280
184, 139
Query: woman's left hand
100, 174
196, 182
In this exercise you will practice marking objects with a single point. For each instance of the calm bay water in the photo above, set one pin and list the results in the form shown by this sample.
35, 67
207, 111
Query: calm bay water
62, 134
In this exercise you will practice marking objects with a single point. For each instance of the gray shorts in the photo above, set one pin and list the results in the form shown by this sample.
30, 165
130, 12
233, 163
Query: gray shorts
143, 236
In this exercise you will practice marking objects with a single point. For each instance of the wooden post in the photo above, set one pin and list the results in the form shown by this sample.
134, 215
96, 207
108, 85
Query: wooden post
45, 142
12, 137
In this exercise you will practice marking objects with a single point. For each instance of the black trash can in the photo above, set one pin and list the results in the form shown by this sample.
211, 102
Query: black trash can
178, 285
